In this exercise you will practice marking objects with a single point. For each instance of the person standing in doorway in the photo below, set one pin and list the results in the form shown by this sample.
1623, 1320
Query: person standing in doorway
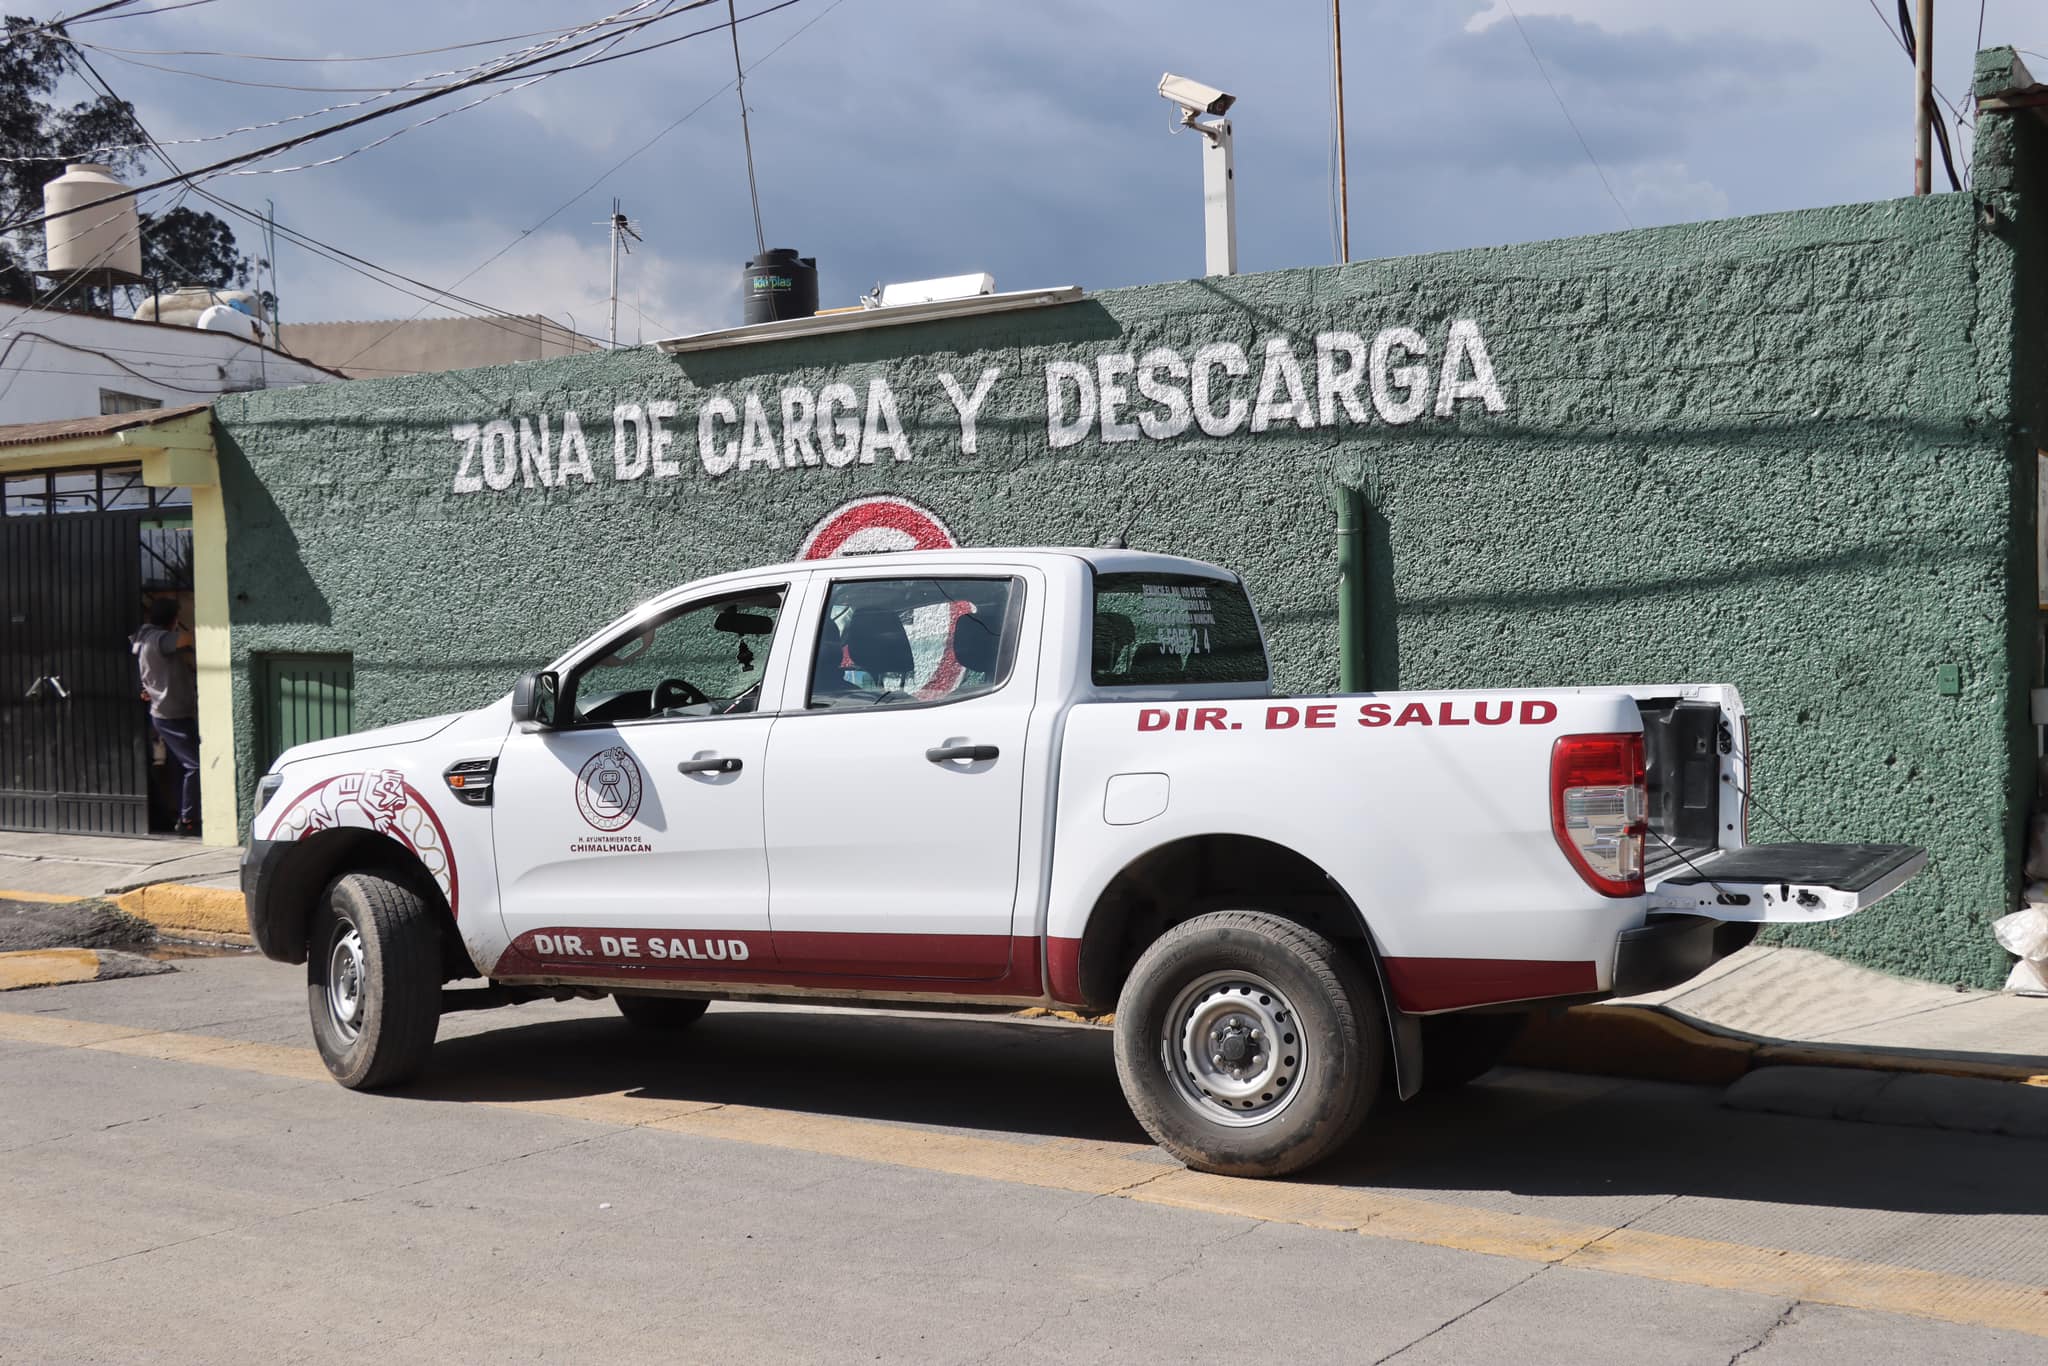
170, 680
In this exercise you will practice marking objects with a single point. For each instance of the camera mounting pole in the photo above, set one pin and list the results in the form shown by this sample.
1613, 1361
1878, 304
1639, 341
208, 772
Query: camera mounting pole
1200, 102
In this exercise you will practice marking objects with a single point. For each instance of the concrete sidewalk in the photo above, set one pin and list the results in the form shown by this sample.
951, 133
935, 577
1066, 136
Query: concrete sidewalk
104, 865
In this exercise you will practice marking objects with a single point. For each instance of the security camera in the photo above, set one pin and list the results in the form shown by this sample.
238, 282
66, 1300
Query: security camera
1193, 97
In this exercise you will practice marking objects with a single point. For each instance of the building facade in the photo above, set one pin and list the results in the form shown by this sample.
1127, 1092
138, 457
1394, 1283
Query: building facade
56, 365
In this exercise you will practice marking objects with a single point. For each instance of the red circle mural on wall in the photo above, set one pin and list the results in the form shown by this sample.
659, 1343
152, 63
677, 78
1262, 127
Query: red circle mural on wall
870, 526
867, 526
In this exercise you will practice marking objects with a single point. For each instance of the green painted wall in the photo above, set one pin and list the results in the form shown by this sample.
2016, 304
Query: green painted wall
1776, 451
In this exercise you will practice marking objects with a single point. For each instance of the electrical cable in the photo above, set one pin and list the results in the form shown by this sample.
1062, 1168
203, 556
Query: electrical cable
1583, 145
621, 163
330, 61
274, 149
422, 123
82, 17
739, 75
86, 18
376, 93
1911, 42
361, 266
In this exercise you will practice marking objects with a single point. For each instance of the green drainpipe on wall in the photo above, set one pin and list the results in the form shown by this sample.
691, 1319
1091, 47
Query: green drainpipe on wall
1349, 505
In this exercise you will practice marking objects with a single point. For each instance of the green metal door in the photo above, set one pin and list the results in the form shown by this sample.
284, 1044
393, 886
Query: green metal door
302, 698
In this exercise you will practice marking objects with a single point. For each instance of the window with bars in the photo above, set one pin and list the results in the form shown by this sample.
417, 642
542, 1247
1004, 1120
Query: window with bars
95, 488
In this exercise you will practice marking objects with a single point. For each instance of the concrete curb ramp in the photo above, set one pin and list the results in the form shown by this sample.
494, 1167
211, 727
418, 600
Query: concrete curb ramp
1656, 1044
60, 967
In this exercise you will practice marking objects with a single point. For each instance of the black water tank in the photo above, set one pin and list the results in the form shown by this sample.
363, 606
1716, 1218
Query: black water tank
780, 284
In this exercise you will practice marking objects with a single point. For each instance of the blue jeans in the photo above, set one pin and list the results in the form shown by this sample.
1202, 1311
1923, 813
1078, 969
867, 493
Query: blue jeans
180, 735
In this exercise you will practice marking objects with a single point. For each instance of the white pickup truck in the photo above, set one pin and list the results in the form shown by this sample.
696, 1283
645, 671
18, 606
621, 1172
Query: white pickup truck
1030, 777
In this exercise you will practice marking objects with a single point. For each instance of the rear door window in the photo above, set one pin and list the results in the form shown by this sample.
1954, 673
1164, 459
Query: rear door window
1159, 629
896, 642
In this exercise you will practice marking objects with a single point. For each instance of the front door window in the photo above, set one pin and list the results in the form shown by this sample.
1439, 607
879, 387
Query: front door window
703, 659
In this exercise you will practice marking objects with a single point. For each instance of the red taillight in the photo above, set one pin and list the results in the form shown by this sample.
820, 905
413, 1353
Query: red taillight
1597, 804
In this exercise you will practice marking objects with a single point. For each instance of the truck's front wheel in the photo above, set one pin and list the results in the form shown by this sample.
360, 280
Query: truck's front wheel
373, 980
1248, 1045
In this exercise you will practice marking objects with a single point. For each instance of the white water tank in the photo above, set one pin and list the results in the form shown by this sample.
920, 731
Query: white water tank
234, 322
103, 234
184, 305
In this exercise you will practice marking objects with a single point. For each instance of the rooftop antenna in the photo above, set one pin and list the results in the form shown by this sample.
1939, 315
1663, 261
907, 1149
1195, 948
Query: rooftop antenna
622, 229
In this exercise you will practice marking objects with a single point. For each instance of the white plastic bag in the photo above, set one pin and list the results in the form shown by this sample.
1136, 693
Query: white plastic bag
2024, 933
2028, 976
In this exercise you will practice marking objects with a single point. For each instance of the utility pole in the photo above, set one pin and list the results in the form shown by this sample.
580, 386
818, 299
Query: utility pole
621, 229
1343, 175
1923, 100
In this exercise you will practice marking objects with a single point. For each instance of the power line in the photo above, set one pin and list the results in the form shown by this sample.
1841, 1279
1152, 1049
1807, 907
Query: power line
347, 260
83, 16
287, 144
623, 161
739, 75
331, 61
1583, 146
376, 94
86, 17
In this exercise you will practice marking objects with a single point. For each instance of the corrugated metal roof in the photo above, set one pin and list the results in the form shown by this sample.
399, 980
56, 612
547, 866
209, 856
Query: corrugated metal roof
34, 433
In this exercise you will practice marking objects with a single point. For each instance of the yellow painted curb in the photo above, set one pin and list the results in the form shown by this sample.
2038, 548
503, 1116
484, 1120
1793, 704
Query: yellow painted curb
47, 898
1643, 1041
210, 914
47, 967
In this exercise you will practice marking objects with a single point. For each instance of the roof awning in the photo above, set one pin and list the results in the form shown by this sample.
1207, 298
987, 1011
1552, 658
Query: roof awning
175, 445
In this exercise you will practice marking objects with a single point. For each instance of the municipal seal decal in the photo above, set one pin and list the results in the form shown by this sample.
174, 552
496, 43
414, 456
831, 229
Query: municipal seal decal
608, 790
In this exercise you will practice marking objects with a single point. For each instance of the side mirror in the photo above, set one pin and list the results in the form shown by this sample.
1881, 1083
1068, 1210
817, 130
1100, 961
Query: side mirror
533, 698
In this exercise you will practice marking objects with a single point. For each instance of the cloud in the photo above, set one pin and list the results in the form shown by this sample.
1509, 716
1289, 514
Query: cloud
897, 139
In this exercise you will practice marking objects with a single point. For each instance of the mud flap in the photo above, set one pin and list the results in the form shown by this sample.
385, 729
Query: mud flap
1796, 883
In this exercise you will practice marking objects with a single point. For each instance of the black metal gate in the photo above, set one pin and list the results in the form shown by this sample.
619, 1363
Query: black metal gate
74, 731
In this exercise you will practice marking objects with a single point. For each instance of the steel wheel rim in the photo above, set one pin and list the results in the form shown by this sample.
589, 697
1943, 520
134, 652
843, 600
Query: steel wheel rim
346, 977
1233, 1045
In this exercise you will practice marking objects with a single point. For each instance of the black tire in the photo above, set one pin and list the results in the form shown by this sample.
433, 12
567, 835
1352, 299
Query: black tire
377, 1027
661, 1012
1457, 1049
1246, 971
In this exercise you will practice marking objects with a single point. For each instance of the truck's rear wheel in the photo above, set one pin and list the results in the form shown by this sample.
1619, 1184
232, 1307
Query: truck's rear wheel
1248, 1045
661, 1012
373, 980
1457, 1049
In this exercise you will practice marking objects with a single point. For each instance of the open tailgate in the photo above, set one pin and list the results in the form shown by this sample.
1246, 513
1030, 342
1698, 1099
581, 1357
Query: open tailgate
1787, 882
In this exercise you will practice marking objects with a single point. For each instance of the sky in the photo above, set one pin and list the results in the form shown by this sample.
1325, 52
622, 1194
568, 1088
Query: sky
898, 140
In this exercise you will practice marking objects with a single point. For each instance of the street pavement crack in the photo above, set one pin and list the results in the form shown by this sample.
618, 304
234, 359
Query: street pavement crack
1516, 1284
1783, 1320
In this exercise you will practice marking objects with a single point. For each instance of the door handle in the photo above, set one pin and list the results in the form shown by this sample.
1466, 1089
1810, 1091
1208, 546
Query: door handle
972, 753
711, 765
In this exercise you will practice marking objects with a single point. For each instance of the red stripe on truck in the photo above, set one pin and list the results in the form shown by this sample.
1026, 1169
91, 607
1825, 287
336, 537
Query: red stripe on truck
961, 964
1425, 984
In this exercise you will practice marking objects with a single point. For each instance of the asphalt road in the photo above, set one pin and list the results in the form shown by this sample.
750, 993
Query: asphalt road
179, 1182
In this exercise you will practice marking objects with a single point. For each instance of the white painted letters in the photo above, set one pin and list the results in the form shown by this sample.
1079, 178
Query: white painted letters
969, 407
